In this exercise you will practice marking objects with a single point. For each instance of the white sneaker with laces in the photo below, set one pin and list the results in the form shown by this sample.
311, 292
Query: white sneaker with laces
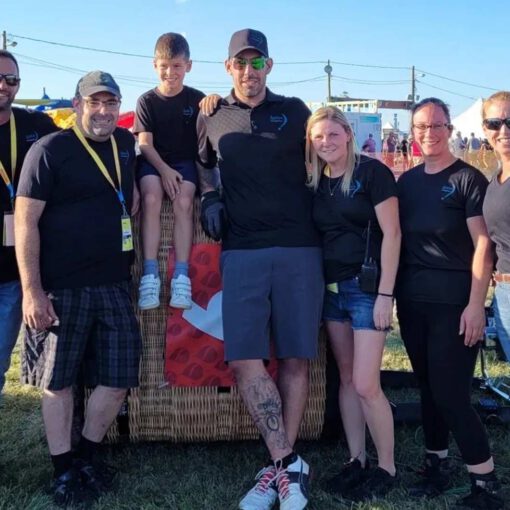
149, 292
180, 289
263, 495
293, 485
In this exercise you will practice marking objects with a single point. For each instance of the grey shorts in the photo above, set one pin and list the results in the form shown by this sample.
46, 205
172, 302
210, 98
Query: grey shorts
271, 294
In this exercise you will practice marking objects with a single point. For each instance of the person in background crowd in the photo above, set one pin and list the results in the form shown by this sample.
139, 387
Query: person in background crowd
444, 239
74, 248
458, 146
19, 129
264, 218
473, 150
488, 160
496, 126
404, 149
369, 143
356, 210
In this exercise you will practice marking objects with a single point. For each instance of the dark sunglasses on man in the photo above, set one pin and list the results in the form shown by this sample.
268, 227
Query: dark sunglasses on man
257, 63
496, 124
11, 79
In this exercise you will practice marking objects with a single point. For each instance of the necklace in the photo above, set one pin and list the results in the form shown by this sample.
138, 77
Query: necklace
327, 172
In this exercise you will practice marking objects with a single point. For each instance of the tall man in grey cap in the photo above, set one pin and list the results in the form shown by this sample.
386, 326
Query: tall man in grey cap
271, 261
74, 251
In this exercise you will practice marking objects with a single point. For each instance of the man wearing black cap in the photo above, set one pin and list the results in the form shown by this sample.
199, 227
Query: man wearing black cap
74, 250
19, 129
271, 262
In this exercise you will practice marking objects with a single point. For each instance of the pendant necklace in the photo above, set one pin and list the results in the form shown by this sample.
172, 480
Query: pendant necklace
332, 191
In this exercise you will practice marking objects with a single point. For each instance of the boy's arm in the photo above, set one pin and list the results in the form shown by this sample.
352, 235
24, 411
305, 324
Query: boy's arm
170, 179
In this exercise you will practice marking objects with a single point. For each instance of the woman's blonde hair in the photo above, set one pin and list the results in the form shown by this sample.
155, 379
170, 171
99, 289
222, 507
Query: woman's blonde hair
314, 164
502, 95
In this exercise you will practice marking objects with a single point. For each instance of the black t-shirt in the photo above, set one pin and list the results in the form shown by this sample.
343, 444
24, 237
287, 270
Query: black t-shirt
261, 157
80, 227
30, 126
172, 122
437, 249
404, 146
496, 212
343, 218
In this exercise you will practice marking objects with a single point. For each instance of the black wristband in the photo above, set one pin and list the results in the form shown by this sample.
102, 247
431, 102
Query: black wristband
385, 295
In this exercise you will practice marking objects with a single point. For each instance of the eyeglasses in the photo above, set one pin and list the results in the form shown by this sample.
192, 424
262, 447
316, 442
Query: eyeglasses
11, 79
434, 127
496, 124
257, 63
109, 104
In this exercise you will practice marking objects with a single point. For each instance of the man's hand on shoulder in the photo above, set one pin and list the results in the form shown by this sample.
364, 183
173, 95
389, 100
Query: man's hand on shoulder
209, 103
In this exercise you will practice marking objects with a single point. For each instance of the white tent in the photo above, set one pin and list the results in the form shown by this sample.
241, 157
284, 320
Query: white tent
470, 121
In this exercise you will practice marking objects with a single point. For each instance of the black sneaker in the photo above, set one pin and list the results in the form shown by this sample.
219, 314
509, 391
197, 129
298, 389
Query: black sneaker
436, 478
350, 476
484, 494
377, 484
96, 477
67, 489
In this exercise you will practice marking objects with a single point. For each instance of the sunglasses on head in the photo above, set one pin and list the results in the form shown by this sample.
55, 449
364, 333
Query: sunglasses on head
11, 79
496, 124
257, 63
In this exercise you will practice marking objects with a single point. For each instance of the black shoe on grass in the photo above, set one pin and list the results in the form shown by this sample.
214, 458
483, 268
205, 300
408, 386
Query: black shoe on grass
96, 477
67, 489
352, 475
435, 478
484, 494
377, 484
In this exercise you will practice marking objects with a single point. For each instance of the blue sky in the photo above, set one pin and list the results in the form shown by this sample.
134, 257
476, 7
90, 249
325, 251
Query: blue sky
459, 40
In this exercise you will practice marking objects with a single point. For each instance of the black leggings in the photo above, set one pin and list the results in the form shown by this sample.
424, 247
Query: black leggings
444, 367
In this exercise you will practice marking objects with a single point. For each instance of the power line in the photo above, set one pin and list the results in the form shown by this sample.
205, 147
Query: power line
445, 90
457, 81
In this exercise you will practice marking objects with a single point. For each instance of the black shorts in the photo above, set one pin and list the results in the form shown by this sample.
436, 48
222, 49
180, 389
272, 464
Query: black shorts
97, 332
187, 169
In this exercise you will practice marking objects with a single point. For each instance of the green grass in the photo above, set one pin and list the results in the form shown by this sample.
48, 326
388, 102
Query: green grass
209, 476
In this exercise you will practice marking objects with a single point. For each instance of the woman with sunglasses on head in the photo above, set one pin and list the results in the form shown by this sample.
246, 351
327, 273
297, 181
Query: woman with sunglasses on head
356, 210
445, 269
496, 125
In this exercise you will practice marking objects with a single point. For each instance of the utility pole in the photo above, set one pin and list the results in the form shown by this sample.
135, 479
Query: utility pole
328, 70
413, 86
4, 40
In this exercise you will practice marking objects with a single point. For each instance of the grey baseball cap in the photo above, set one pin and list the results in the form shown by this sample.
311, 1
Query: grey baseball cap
97, 81
247, 39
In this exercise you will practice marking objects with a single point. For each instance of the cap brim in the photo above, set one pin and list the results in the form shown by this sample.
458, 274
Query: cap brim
100, 88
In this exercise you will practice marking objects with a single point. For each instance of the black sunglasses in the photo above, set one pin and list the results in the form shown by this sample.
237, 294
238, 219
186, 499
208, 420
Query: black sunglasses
11, 79
495, 124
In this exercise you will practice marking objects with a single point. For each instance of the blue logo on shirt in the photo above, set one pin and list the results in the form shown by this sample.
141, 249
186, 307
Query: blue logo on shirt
447, 191
188, 111
124, 155
354, 188
32, 137
279, 119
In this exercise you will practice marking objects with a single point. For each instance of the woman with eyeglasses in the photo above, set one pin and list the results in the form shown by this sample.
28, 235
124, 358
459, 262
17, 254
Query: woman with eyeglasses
356, 211
444, 272
496, 126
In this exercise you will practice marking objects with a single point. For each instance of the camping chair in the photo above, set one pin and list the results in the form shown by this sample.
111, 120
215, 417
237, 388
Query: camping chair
490, 354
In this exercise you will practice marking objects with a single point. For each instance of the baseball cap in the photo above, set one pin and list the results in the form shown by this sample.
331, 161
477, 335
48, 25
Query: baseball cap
247, 39
97, 81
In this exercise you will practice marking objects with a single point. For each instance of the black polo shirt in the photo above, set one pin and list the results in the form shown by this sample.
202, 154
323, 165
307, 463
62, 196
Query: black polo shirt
260, 153
30, 126
80, 227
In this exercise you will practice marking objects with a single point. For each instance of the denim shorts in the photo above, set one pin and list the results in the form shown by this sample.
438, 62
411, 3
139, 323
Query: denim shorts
502, 315
350, 304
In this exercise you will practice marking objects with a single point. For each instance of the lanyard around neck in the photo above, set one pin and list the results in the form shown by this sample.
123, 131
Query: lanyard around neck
102, 166
14, 159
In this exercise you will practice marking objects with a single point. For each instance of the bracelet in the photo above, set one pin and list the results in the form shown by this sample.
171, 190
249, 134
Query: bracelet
385, 295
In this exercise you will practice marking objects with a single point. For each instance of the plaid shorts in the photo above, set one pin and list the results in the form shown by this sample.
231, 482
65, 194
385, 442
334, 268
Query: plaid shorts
97, 334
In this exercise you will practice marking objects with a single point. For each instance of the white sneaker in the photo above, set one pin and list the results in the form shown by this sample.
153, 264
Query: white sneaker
149, 292
262, 496
180, 289
293, 485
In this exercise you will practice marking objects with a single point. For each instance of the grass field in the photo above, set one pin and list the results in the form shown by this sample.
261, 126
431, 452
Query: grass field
210, 476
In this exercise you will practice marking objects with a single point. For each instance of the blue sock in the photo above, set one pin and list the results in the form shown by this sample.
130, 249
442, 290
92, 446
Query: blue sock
150, 266
180, 268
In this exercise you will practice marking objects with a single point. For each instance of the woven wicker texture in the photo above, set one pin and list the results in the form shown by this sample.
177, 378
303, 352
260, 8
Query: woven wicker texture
159, 412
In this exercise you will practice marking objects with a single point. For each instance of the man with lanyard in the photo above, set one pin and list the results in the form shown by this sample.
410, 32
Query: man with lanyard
271, 262
74, 251
19, 129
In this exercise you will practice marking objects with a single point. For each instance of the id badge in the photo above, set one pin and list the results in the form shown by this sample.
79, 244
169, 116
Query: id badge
127, 234
8, 236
